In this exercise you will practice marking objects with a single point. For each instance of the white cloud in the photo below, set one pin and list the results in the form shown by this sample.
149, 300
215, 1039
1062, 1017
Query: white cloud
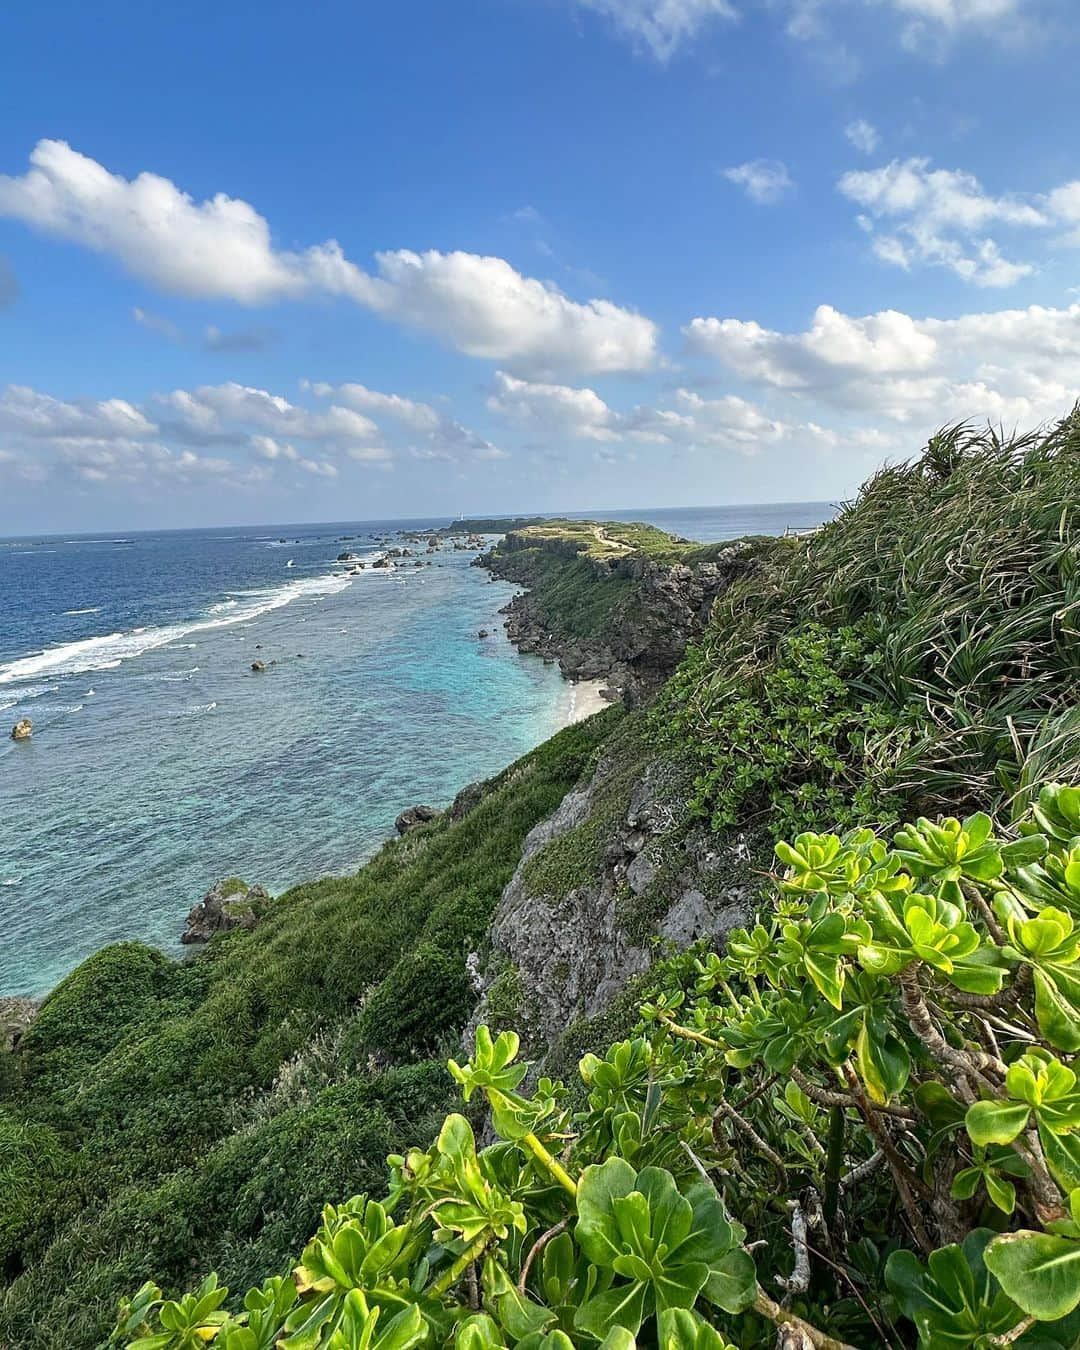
216, 249
553, 407
661, 27
863, 135
944, 197
112, 439
418, 416
222, 249
441, 432
25, 412
565, 413
937, 217
1019, 366
215, 411
955, 13
484, 307
764, 181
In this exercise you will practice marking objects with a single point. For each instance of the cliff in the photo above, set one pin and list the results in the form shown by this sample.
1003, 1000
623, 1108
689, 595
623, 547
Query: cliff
918, 655
614, 601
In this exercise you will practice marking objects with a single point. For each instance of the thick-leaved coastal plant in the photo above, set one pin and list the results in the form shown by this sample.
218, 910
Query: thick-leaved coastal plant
858, 1125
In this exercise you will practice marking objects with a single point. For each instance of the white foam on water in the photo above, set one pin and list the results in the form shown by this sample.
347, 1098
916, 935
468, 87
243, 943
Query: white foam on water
197, 710
109, 650
170, 677
94, 609
10, 881
17, 696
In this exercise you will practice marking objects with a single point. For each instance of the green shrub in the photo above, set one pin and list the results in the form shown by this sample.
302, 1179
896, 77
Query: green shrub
185, 1092
918, 653
886, 1060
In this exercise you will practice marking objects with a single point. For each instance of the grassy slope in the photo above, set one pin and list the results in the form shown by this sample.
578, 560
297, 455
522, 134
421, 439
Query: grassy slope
923, 649
921, 652
175, 1116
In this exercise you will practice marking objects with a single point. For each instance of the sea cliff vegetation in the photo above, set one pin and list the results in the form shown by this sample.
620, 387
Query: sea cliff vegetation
851, 1119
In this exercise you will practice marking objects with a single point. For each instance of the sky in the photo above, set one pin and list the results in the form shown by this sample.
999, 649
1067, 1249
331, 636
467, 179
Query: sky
281, 262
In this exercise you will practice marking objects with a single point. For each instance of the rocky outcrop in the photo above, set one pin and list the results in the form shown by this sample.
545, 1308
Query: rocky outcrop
657, 873
665, 607
16, 1014
414, 816
227, 904
22, 730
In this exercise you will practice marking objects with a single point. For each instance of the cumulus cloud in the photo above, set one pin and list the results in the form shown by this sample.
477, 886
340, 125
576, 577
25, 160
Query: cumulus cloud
216, 249
484, 307
222, 249
563, 413
229, 432
574, 412
863, 135
418, 416
26, 412
765, 181
212, 413
660, 27
916, 214
1019, 366
442, 436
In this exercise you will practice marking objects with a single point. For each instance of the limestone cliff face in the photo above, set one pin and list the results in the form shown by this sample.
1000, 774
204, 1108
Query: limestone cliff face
651, 610
619, 864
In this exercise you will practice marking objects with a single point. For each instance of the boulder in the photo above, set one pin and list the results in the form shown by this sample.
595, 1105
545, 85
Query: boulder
227, 904
22, 730
258, 666
483, 633
16, 1014
414, 816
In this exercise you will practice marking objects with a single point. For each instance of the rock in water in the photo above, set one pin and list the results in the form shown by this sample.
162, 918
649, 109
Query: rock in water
258, 666
227, 904
413, 816
22, 730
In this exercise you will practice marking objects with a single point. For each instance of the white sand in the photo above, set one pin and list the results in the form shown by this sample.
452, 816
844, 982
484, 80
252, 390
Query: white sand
583, 698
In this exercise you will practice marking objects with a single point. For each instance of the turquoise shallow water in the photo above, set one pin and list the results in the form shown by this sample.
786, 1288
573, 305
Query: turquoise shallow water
160, 762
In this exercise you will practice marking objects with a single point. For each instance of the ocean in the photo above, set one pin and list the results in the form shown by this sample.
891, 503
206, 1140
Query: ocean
161, 762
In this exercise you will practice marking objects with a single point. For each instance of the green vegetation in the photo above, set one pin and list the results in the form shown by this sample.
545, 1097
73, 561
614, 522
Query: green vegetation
917, 1007
877, 1077
584, 575
167, 1114
919, 653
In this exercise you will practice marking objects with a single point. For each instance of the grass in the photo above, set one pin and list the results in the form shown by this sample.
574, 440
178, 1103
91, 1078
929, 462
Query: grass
920, 652
169, 1113
584, 576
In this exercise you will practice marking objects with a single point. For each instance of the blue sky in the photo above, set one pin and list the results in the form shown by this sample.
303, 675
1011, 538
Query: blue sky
281, 262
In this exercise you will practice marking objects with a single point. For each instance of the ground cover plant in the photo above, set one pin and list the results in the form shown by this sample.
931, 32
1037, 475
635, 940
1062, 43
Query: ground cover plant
919, 652
847, 1072
916, 1004
161, 1113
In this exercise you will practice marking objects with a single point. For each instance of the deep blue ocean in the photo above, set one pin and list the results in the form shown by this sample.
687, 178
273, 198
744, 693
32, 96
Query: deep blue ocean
160, 762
